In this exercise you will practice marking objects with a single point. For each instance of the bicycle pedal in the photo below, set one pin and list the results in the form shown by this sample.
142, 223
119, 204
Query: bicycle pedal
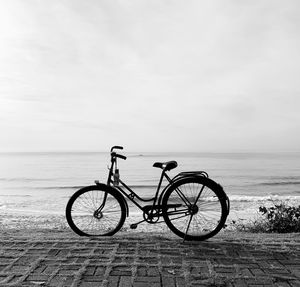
133, 226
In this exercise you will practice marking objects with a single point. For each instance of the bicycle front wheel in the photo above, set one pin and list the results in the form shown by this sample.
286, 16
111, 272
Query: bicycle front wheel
195, 208
96, 211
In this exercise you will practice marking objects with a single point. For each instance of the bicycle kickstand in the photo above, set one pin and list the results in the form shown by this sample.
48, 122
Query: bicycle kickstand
134, 225
187, 229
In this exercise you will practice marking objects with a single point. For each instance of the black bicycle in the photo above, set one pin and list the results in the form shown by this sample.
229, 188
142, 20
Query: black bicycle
193, 206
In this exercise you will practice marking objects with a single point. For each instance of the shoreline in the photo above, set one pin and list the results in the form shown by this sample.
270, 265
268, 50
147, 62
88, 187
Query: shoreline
52, 225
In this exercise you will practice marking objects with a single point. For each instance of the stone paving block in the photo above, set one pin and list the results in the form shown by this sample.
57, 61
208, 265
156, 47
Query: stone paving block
113, 281
98, 251
2, 267
245, 272
3, 278
153, 271
257, 272
180, 282
168, 281
89, 284
13, 252
53, 252
14, 279
282, 284
127, 245
296, 272
37, 278
90, 270
121, 271
172, 271
142, 271
107, 251
100, 261
199, 270
147, 279
80, 259
123, 259
64, 245
100, 270
35, 251
6, 260
123, 251
61, 281
62, 253
94, 278
50, 269
148, 260
67, 271
145, 284
17, 269
125, 281
44, 245
39, 269
240, 283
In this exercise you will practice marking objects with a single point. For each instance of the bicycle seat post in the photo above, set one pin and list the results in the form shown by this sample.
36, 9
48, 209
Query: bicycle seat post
159, 186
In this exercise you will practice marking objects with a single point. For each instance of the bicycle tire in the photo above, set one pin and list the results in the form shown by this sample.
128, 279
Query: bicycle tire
192, 221
81, 207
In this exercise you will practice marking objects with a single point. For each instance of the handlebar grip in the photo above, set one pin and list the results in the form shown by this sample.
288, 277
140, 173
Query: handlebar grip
116, 147
121, 156
113, 154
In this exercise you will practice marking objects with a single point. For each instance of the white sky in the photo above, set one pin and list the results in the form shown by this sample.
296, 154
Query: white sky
149, 75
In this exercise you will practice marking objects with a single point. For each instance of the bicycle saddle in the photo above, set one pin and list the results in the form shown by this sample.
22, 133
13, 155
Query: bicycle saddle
166, 165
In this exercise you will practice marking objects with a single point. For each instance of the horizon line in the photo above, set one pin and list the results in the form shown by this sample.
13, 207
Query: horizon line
147, 152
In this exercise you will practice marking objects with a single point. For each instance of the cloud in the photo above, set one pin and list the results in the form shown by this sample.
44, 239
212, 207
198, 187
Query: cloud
157, 74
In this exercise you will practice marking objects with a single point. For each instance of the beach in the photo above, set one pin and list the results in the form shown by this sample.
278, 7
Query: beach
37, 186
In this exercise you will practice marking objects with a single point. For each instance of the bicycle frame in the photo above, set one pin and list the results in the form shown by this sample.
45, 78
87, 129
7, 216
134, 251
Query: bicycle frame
157, 199
131, 195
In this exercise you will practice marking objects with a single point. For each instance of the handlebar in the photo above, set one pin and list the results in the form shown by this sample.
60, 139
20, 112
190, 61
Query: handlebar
116, 147
113, 154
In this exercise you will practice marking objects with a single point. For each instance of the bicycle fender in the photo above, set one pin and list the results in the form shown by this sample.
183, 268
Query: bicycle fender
105, 186
179, 176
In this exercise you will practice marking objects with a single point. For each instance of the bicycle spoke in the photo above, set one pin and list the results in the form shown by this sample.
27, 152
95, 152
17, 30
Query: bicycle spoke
202, 213
95, 212
188, 226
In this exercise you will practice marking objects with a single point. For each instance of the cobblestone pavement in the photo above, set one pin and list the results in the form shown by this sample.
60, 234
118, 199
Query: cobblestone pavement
142, 261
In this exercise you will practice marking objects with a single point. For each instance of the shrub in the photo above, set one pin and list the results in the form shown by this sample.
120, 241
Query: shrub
280, 218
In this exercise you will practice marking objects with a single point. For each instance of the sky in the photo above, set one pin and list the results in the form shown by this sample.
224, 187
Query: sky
189, 76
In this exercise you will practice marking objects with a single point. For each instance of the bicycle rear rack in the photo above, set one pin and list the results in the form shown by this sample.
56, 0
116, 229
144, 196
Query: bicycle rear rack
191, 173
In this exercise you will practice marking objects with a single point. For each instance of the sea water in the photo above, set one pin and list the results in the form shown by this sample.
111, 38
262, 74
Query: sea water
42, 183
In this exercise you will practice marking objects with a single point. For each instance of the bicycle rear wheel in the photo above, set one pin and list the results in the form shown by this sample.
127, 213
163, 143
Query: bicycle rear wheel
96, 211
200, 211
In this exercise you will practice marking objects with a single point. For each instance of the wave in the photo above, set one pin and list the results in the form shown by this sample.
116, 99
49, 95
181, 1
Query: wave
280, 183
27, 179
78, 187
59, 187
81, 186
15, 195
242, 198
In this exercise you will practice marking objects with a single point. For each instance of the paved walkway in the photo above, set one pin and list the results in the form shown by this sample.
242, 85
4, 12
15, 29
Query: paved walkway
141, 261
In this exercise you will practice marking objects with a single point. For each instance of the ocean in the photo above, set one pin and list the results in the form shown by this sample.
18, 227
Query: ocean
41, 183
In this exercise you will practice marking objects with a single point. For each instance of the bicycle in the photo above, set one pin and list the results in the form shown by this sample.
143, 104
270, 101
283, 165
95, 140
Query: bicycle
192, 205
